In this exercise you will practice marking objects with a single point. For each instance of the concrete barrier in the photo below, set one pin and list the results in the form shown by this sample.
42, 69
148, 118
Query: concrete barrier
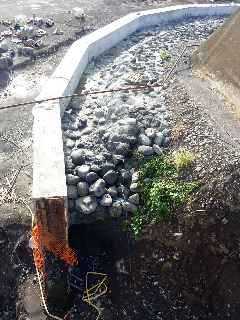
48, 157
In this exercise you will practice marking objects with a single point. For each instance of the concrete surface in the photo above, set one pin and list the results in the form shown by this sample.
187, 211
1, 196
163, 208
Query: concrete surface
48, 158
218, 58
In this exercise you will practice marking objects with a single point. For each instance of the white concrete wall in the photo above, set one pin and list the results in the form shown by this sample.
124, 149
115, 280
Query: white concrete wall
48, 157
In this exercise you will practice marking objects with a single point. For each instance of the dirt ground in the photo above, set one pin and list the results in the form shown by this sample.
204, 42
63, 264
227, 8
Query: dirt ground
187, 267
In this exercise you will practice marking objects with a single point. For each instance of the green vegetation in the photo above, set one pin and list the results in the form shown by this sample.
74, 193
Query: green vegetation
183, 158
164, 55
161, 190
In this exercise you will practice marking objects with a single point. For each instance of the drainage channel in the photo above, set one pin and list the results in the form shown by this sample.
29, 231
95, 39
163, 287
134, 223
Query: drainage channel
102, 134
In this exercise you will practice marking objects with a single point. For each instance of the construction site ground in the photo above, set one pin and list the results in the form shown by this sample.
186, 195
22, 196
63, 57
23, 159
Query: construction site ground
200, 270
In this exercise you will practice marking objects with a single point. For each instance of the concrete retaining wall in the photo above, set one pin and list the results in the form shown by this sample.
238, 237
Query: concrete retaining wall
48, 157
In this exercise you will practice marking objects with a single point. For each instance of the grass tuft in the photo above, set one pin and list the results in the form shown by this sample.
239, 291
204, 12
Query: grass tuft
182, 158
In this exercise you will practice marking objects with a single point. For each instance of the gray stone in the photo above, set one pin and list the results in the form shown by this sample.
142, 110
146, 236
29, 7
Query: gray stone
86, 204
123, 192
72, 192
166, 132
146, 150
166, 141
116, 209
83, 188
82, 123
134, 187
122, 148
27, 52
159, 139
150, 133
91, 177
95, 168
69, 166
157, 149
144, 140
113, 192
135, 176
98, 188
70, 143
82, 171
134, 199
117, 159
106, 200
4, 64
129, 207
78, 156
72, 179
107, 167
110, 177
125, 177
4, 46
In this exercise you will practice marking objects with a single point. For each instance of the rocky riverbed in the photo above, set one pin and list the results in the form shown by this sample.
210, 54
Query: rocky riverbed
102, 132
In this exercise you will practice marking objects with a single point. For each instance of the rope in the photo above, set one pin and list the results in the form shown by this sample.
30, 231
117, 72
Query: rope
96, 92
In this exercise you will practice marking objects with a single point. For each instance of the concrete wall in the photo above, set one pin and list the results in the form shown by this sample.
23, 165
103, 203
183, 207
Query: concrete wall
48, 157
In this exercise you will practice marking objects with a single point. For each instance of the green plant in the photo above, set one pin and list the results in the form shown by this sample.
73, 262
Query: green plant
164, 55
160, 192
182, 158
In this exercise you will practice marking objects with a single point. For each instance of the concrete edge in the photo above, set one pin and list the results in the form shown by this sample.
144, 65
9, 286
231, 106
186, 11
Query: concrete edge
48, 158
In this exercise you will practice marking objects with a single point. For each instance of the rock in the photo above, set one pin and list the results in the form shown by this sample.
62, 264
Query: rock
91, 177
110, 177
72, 192
70, 143
166, 132
72, 179
4, 46
166, 141
159, 139
123, 192
27, 52
134, 199
98, 188
146, 150
144, 140
69, 166
113, 192
78, 156
82, 171
107, 167
116, 209
86, 204
129, 207
106, 200
135, 176
134, 187
157, 149
4, 63
117, 159
82, 124
125, 177
95, 168
83, 188
122, 148
150, 133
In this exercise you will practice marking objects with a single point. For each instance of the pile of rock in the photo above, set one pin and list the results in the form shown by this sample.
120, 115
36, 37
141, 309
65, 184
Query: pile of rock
110, 188
101, 132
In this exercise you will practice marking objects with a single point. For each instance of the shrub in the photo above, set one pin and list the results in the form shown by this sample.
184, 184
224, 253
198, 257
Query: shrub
160, 192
